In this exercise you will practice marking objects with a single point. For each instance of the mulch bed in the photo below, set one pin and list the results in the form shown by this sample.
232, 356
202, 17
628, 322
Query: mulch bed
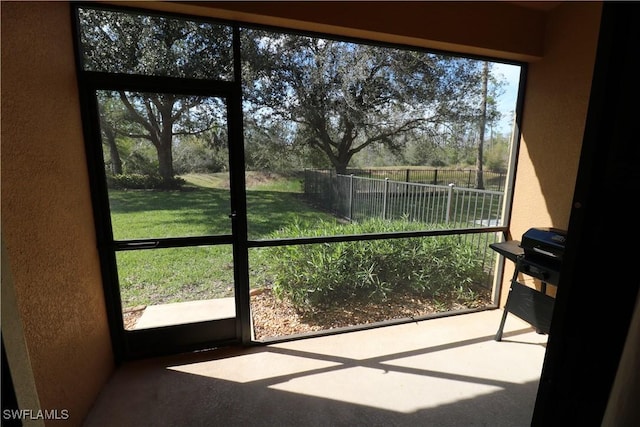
276, 318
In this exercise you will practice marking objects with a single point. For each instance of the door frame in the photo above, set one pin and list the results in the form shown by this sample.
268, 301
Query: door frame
134, 344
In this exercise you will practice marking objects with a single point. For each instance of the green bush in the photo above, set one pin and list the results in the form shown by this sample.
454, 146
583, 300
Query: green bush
321, 275
139, 181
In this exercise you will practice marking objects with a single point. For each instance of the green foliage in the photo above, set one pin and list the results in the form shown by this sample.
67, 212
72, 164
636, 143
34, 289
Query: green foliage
129, 42
197, 155
496, 155
438, 163
321, 275
141, 161
136, 181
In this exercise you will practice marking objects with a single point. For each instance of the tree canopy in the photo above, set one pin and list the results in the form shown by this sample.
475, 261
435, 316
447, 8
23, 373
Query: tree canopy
342, 97
304, 97
131, 43
118, 42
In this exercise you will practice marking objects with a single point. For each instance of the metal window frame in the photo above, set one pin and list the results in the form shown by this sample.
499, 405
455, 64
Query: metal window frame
90, 81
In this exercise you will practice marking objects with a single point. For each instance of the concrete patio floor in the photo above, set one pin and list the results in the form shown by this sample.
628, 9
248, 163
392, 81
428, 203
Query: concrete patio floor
157, 316
439, 372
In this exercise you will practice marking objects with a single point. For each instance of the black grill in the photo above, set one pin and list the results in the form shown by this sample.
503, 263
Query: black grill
546, 244
539, 255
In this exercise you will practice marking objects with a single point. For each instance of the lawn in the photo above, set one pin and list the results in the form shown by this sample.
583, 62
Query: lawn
202, 208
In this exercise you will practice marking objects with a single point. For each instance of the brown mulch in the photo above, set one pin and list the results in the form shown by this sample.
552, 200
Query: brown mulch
277, 318
131, 315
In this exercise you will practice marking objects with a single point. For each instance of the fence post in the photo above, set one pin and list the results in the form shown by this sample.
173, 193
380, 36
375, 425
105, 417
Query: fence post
333, 191
449, 200
384, 198
351, 197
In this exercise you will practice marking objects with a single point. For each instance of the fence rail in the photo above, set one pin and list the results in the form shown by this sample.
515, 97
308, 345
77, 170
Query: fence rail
461, 178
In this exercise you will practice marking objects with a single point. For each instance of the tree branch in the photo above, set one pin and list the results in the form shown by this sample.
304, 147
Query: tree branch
136, 117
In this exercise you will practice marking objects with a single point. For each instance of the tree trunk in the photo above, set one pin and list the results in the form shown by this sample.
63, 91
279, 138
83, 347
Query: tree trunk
341, 169
483, 124
165, 145
341, 161
116, 162
165, 159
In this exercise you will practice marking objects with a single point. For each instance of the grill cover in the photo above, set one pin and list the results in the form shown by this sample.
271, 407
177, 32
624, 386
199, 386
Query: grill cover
544, 243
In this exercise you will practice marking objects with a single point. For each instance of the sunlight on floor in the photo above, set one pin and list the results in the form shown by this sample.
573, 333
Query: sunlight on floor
354, 385
404, 369
263, 366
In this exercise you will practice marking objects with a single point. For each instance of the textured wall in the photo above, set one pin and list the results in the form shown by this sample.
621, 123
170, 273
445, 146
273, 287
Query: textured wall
47, 219
556, 103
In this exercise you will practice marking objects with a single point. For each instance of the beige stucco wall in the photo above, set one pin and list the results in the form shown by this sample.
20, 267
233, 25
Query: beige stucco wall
555, 108
47, 221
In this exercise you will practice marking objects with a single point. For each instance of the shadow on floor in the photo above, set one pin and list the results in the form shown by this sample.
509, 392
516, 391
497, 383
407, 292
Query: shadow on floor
323, 382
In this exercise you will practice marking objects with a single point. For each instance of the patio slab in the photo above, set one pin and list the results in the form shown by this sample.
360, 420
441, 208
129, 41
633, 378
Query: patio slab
445, 372
155, 316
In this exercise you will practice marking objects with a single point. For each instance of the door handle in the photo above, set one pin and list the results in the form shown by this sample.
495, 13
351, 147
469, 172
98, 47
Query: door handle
152, 244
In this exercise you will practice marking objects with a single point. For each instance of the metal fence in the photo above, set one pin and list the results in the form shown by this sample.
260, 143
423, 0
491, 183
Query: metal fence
357, 198
449, 206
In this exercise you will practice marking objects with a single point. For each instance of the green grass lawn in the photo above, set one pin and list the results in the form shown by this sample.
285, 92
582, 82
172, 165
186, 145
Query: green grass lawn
202, 208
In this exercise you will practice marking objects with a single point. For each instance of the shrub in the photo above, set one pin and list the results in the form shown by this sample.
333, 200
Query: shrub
143, 182
321, 275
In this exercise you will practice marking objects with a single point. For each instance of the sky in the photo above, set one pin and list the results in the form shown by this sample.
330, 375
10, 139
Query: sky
507, 102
